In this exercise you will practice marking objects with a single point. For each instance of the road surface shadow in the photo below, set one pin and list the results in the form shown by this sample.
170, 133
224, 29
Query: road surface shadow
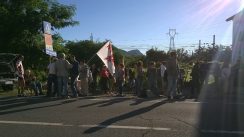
110, 121
105, 103
16, 104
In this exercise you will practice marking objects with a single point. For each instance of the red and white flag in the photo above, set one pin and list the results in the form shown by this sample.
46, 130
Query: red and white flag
106, 55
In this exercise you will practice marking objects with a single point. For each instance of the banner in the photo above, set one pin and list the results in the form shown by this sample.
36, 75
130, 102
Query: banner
106, 55
48, 39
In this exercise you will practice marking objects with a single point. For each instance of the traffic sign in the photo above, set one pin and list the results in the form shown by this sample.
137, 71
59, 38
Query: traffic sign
47, 27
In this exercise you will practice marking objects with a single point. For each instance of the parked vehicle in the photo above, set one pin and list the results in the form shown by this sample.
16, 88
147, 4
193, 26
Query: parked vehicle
8, 76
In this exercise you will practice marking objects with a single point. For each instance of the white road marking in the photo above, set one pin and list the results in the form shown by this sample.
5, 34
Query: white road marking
114, 127
84, 126
223, 132
126, 127
99, 99
32, 123
190, 102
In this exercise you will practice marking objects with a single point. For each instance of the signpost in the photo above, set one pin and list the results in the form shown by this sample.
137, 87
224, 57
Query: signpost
48, 39
47, 28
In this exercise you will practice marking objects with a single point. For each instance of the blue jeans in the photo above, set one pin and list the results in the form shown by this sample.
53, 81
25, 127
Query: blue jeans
120, 86
37, 87
139, 86
62, 85
172, 83
52, 80
152, 84
73, 85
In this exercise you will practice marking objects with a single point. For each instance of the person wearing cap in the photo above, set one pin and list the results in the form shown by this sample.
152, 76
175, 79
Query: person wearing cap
62, 67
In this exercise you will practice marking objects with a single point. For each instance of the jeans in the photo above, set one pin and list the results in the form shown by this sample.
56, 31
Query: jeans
172, 83
73, 85
152, 84
120, 86
37, 87
139, 86
84, 86
52, 81
62, 85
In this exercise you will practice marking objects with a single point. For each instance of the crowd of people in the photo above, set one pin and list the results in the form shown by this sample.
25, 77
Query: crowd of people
225, 76
164, 78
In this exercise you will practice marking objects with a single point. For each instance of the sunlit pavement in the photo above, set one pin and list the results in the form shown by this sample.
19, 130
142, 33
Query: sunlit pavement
211, 115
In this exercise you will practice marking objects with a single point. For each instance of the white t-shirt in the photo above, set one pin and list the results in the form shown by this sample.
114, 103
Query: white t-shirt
20, 68
162, 70
51, 68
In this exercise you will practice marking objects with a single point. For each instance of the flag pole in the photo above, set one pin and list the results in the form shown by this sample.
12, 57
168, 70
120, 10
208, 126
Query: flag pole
91, 58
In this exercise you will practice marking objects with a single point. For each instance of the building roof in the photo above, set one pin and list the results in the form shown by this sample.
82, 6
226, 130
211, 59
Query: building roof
232, 17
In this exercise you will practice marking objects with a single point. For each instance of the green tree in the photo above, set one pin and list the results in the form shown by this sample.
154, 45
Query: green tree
21, 26
156, 55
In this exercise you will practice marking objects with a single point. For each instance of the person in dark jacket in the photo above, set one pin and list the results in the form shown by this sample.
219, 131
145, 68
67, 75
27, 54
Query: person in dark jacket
74, 73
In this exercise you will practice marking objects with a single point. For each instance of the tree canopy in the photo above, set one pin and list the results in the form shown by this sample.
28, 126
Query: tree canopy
21, 25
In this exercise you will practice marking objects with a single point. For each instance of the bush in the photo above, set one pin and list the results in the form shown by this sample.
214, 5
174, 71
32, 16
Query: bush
40, 75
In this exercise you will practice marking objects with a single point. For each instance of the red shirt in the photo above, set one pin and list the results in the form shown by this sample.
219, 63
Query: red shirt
104, 73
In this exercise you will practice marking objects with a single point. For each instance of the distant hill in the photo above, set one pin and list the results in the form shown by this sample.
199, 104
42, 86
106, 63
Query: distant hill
134, 53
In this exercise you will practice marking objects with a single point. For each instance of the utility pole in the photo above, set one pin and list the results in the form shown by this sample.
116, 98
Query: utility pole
172, 33
213, 41
199, 46
91, 37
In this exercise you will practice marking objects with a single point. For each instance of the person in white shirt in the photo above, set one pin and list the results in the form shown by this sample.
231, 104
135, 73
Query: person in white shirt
52, 78
62, 67
162, 71
20, 73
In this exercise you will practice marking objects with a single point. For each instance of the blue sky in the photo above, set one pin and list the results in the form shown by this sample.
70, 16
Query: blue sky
142, 24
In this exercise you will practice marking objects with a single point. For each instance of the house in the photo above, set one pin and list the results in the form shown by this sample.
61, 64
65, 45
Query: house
238, 36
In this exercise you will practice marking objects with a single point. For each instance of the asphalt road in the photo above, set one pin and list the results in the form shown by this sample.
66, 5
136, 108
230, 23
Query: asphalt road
213, 115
